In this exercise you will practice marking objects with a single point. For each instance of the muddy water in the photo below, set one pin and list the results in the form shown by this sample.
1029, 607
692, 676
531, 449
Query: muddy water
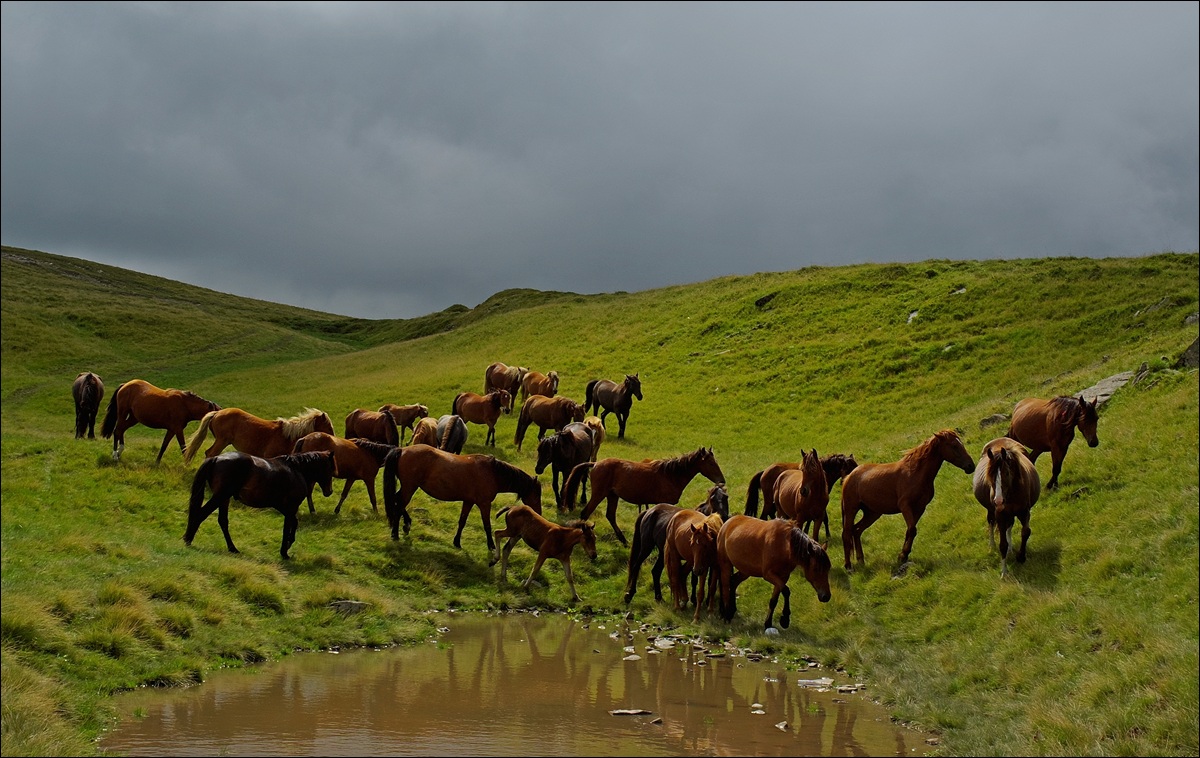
515, 685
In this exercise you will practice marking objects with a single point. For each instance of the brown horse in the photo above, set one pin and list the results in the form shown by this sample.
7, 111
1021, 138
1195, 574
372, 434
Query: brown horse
425, 432
501, 377
650, 532
772, 549
802, 494
642, 483
550, 540
473, 479
404, 416
1007, 485
690, 549
1042, 425
548, 413
482, 409
595, 423
613, 398
904, 487
140, 402
250, 434
836, 466
88, 391
563, 451
280, 483
357, 459
537, 383
377, 426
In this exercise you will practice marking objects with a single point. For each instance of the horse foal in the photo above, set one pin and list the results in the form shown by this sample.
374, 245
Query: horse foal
546, 537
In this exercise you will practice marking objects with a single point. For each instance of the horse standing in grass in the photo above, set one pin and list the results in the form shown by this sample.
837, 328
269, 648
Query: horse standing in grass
605, 397
537, 383
650, 533
140, 402
747, 546
404, 416
377, 426
250, 434
451, 433
1007, 485
357, 459
425, 432
563, 451
483, 409
802, 494
1049, 425
836, 466
690, 549
904, 487
598, 426
88, 391
550, 540
548, 413
498, 376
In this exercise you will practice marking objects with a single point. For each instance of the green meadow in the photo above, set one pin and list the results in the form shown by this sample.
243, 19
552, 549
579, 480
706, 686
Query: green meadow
1090, 647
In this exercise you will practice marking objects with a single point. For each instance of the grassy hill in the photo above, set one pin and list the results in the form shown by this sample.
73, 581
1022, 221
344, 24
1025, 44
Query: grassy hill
1090, 647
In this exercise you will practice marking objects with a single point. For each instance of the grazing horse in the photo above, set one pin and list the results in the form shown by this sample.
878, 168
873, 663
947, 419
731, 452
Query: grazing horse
88, 391
281, 483
690, 549
473, 479
356, 458
250, 434
595, 423
482, 409
613, 398
1042, 425
377, 426
508, 378
802, 494
1007, 485
563, 451
451, 433
642, 483
425, 432
836, 466
140, 402
548, 413
650, 532
404, 416
748, 547
904, 487
550, 540
537, 383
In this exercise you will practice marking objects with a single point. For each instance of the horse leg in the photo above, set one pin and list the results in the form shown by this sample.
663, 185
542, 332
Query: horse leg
289, 533
656, 571
537, 565
400, 508
196, 519
622, 418
223, 520
371, 494
868, 518
910, 534
1056, 457
1025, 532
499, 534
345, 491
462, 522
566, 562
611, 514
786, 618
512, 541
1005, 525
485, 514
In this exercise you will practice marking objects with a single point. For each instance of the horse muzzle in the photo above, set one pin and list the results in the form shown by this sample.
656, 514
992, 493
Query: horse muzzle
1094, 443
824, 596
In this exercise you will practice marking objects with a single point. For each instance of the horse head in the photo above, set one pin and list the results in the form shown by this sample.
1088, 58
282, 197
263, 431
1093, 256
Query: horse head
553, 377
707, 464
634, 385
588, 530
950, 447
1086, 420
814, 474
716, 502
814, 560
545, 453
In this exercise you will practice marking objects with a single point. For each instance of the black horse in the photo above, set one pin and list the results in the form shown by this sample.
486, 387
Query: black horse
650, 532
613, 398
563, 451
88, 391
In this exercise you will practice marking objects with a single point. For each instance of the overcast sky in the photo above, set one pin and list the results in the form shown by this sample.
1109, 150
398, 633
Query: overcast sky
390, 160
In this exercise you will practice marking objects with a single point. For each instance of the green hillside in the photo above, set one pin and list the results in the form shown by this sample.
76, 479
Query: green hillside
1090, 647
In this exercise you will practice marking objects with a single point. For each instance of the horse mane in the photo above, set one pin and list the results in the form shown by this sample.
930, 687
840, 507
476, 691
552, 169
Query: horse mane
680, 463
578, 523
308, 460
925, 449
803, 546
377, 449
512, 476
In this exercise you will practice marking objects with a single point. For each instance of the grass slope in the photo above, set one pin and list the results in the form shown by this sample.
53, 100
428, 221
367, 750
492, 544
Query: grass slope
1090, 647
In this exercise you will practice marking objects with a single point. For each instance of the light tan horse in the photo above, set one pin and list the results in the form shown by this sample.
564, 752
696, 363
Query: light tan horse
140, 402
1007, 485
550, 540
253, 435
537, 383
598, 426
1049, 425
425, 432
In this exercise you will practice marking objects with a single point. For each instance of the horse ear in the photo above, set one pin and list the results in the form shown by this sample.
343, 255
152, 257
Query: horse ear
824, 545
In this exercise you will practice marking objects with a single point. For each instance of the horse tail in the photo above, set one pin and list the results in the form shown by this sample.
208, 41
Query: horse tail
635, 557
588, 394
391, 433
199, 482
572, 485
502, 511
390, 463
454, 405
752, 495
194, 444
110, 416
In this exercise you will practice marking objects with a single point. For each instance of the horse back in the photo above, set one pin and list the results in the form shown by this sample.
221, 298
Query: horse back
745, 542
873, 485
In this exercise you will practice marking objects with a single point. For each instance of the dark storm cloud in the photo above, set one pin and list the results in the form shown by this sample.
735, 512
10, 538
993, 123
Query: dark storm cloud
389, 160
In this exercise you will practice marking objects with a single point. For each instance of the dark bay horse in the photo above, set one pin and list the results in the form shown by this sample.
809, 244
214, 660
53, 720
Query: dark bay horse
563, 451
836, 466
357, 459
650, 533
690, 549
140, 402
250, 434
904, 487
1049, 425
1007, 485
88, 391
377, 426
550, 540
498, 376
281, 483
607, 397
548, 413
642, 483
404, 416
537, 383
748, 547
802, 494
483, 409
451, 433
475, 480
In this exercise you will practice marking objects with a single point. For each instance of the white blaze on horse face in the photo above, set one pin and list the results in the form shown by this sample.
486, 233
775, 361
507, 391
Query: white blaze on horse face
998, 489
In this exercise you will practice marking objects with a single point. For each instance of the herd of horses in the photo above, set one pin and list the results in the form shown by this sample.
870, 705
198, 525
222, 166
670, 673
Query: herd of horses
277, 464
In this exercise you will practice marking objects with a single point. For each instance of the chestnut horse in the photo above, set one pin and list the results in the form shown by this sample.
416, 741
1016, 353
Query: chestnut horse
88, 391
613, 398
642, 483
1007, 485
836, 466
904, 487
404, 416
690, 549
140, 402
482, 409
537, 383
501, 377
550, 540
357, 459
563, 451
281, 483
425, 432
747, 546
473, 479
548, 413
650, 532
377, 426
250, 434
802, 494
1042, 425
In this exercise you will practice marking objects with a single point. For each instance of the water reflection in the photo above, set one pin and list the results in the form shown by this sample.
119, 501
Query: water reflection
515, 684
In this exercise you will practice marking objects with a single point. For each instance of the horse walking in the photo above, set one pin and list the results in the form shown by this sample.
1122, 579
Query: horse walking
836, 466
650, 533
498, 376
547, 413
281, 483
357, 459
537, 383
1006, 483
404, 416
250, 434
747, 546
613, 398
140, 402
904, 487
690, 549
563, 451
88, 391
483, 409
1049, 425
377, 426
550, 540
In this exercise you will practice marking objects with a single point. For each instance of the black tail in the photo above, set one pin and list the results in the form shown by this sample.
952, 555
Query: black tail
572, 484
389, 487
390, 432
199, 482
635, 558
110, 416
752, 495
587, 396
